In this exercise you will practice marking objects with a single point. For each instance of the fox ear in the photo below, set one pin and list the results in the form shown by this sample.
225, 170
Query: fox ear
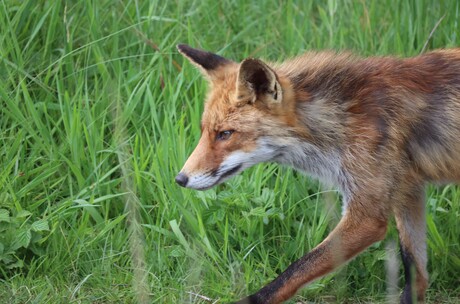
207, 62
256, 80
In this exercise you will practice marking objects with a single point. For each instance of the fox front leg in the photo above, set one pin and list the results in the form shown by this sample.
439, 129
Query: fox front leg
352, 235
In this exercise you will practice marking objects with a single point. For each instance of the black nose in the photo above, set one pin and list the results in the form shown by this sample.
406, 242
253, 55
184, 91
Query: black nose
182, 179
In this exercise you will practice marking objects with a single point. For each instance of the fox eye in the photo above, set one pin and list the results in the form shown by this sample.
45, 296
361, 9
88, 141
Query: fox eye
224, 135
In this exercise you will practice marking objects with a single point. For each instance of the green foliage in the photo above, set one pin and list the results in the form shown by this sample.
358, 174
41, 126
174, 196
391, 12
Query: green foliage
98, 112
19, 235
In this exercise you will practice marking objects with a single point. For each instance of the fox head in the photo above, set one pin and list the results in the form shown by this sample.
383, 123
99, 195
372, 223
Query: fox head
248, 111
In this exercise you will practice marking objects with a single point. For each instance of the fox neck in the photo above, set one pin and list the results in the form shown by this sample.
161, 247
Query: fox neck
325, 165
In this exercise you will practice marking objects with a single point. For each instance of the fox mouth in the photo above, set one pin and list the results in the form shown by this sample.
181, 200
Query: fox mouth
224, 176
229, 173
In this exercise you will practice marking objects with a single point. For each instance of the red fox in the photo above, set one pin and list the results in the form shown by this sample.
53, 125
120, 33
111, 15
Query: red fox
376, 128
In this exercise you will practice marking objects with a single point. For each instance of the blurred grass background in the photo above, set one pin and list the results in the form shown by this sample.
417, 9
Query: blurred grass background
98, 112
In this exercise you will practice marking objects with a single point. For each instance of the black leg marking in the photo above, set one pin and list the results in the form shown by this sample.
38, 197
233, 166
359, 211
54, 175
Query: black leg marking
408, 262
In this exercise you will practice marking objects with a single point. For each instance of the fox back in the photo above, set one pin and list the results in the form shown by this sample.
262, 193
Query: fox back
376, 128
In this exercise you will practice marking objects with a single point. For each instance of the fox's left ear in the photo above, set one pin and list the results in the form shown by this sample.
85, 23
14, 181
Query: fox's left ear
257, 81
209, 63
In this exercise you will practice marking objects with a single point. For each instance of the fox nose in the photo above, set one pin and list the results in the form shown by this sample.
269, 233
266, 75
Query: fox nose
182, 179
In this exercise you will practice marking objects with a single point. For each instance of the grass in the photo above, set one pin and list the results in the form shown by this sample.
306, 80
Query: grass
98, 112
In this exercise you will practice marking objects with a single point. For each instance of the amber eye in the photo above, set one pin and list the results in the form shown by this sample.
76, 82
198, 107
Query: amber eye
224, 135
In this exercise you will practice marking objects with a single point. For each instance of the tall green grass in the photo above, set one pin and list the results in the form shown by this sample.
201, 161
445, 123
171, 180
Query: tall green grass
98, 112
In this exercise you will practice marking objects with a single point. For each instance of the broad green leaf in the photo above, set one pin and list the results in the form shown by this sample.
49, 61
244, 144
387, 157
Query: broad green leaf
22, 240
4, 215
40, 225
23, 213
